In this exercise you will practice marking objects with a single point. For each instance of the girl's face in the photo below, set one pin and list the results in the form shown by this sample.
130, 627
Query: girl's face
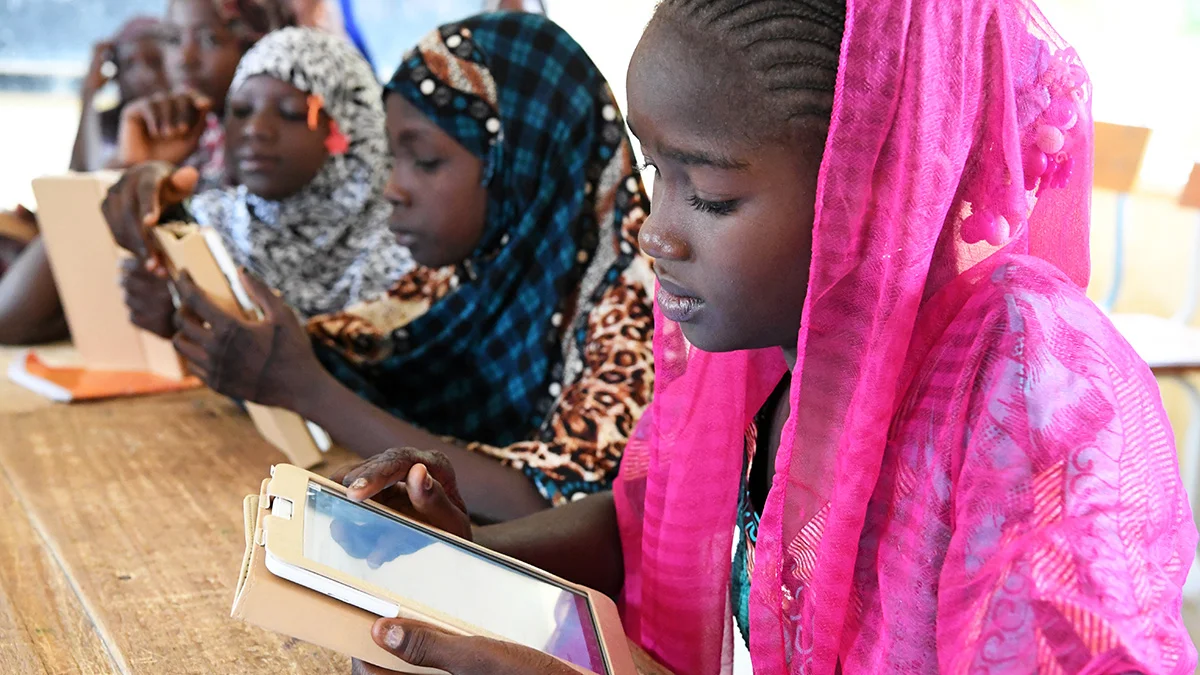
730, 230
268, 145
200, 51
439, 202
139, 68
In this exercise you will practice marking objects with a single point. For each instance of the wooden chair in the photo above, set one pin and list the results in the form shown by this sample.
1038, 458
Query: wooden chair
1169, 345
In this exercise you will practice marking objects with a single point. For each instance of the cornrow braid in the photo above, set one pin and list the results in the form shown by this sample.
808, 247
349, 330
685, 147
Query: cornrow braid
793, 46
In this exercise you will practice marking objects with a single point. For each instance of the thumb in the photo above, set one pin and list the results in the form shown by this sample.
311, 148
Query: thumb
418, 644
182, 183
263, 295
428, 497
203, 103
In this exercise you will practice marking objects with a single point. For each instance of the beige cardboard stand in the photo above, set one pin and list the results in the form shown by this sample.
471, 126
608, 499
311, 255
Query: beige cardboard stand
85, 261
277, 528
196, 250
279, 605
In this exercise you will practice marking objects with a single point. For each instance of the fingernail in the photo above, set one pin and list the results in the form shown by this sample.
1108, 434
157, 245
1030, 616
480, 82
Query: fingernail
359, 484
427, 484
394, 637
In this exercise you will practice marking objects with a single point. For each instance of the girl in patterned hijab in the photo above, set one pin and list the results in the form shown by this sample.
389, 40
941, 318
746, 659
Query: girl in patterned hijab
524, 332
308, 160
325, 245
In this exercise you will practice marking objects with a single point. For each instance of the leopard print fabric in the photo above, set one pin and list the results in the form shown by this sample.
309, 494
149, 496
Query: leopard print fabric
578, 449
581, 442
367, 332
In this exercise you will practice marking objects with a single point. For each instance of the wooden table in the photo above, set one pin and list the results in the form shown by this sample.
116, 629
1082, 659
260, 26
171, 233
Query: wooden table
122, 537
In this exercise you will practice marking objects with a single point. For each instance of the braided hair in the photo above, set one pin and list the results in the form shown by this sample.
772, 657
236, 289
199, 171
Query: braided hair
791, 46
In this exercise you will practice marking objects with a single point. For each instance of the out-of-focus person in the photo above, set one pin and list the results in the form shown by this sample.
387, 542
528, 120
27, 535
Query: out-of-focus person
132, 59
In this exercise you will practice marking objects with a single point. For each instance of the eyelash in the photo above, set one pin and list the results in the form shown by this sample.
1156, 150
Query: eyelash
715, 208
428, 165
722, 208
241, 112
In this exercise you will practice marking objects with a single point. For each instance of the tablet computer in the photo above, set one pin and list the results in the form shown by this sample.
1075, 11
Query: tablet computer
369, 556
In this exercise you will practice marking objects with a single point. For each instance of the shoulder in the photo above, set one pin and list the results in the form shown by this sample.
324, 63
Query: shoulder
1026, 312
1042, 377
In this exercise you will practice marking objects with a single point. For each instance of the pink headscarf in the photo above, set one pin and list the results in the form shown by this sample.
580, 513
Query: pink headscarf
977, 475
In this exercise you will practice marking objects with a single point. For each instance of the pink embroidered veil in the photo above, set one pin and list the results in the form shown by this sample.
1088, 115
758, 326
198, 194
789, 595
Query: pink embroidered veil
977, 475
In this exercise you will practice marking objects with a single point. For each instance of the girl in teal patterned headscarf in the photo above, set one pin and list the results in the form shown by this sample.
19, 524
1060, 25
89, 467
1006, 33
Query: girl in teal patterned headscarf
507, 350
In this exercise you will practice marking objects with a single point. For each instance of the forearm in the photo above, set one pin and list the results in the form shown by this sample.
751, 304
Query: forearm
89, 127
579, 542
492, 491
30, 311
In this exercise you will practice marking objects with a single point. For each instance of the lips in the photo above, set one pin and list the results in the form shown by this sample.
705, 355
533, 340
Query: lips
255, 162
190, 83
677, 303
405, 238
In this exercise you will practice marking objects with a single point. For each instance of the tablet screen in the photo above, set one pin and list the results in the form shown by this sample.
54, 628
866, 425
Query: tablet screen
426, 568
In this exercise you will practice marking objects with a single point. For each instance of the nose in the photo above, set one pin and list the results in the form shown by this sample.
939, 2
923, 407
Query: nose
189, 53
395, 192
660, 239
260, 126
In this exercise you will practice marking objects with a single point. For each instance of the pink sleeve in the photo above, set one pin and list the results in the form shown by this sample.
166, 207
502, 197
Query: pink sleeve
1071, 531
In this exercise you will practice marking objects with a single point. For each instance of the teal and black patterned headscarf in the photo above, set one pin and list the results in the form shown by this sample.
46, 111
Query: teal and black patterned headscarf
489, 359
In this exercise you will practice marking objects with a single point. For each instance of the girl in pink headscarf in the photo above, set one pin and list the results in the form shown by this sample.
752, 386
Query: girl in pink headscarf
890, 433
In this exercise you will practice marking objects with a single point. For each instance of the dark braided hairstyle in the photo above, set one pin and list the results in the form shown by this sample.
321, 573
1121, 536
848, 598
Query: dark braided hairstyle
791, 46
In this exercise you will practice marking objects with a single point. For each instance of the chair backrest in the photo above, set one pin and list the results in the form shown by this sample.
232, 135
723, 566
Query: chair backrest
1190, 199
1191, 192
1119, 153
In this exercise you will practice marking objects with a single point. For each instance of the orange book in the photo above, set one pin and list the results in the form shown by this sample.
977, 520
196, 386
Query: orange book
71, 383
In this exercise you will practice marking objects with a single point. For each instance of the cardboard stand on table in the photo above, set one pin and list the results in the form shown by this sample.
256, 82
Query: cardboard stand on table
85, 261
199, 251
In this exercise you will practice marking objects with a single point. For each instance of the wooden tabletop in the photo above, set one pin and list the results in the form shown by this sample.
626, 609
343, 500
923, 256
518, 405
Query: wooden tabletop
122, 537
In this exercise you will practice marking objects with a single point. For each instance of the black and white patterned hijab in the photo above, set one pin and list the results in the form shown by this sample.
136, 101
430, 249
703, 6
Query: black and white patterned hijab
327, 246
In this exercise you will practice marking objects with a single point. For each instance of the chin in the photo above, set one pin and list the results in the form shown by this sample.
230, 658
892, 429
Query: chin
265, 189
723, 339
425, 257
705, 339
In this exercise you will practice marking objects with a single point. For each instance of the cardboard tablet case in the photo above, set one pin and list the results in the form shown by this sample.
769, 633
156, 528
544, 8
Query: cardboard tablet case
85, 261
278, 605
191, 247
282, 606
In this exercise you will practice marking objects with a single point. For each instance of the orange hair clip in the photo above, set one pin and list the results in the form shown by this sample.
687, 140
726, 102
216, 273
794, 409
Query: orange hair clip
315, 104
336, 143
